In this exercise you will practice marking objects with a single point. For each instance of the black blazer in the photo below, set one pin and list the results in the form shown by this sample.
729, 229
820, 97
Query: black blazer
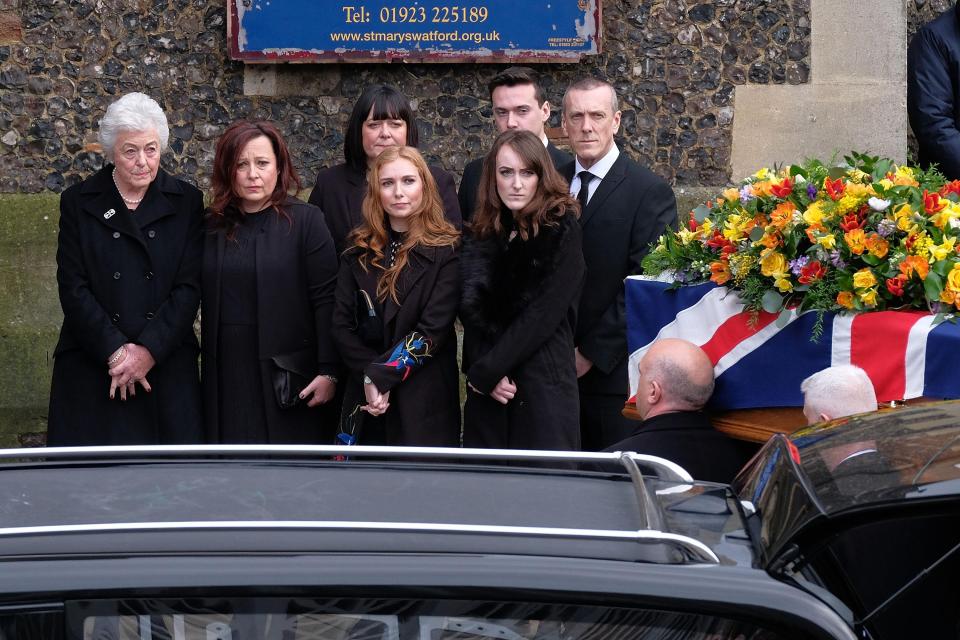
470, 182
933, 92
630, 209
296, 277
339, 193
127, 277
425, 399
688, 438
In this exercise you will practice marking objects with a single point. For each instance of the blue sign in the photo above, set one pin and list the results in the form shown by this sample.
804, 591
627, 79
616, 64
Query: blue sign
461, 30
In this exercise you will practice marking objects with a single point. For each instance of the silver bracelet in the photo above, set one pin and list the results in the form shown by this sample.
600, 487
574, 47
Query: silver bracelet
115, 358
329, 377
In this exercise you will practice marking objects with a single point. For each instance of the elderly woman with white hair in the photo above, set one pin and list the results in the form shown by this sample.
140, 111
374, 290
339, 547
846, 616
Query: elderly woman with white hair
128, 271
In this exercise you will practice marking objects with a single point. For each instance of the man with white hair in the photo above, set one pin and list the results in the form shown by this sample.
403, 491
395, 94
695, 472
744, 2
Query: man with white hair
835, 392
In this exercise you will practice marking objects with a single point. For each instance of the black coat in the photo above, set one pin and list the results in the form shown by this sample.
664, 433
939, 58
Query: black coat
422, 379
688, 438
296, 276
127, 277
519, 312
933, 92
339, 193
470, 182
630, 209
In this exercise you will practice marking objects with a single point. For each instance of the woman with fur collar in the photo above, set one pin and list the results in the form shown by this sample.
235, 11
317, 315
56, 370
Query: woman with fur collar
522, 269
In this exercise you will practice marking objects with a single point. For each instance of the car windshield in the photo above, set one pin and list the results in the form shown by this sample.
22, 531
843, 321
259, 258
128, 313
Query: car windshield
890, 455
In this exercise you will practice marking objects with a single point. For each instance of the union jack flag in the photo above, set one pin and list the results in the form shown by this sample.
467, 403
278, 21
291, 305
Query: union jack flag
760, 361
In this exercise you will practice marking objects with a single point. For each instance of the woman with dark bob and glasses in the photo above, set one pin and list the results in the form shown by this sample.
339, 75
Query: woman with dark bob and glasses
522, 268
128, 273
269, 273
397, 296
381, 118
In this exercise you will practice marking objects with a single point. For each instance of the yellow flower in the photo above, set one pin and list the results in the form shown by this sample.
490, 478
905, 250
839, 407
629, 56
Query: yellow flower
847, 203
922, 245
941, 251
706, 228
783, 283
948, 296
904, 176
734, 227
772, 263
953, 279
905, 218
869, 297
763, 174
886, 183
814, 213
731, 195
686, 236
864, 279
845, 299
828, 241
861, 191
858, 176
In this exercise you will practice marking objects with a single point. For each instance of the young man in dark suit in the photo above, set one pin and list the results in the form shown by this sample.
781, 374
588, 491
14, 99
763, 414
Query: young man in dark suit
676, 381
518, 103
624, 207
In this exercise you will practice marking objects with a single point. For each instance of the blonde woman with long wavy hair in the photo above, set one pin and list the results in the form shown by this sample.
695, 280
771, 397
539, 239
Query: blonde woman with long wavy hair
397, 295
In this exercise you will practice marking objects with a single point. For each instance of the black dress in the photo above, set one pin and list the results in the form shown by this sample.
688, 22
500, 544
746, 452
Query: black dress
242, 414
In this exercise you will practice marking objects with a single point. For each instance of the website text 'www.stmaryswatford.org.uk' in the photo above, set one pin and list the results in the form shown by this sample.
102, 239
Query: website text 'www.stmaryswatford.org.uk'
417, 37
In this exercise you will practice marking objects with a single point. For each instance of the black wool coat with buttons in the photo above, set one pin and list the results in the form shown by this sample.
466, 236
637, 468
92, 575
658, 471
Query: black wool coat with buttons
127, 277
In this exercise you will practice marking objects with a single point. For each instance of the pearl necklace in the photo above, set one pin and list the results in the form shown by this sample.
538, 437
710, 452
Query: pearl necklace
120, 191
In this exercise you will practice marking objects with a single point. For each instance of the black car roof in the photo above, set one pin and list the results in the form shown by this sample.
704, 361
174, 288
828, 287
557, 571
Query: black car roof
142, 498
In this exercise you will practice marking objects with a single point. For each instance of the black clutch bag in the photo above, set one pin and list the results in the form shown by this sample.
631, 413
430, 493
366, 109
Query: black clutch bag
291, 373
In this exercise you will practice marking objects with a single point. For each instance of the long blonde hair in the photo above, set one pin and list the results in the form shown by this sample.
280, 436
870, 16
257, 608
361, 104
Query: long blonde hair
428, 225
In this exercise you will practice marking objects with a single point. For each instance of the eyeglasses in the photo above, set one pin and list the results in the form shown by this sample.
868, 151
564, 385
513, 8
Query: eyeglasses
132, 153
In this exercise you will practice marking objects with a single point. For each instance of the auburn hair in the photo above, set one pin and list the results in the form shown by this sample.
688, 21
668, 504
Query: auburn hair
224, 212
428, 224
551, 201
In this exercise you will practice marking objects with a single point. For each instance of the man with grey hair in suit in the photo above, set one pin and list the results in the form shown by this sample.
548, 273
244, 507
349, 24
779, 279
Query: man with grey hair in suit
837, 391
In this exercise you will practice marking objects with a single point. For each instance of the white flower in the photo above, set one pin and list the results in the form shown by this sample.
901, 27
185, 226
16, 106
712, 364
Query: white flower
877, 204
954, 223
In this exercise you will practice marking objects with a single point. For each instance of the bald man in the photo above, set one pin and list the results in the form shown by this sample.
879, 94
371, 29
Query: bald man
676, 381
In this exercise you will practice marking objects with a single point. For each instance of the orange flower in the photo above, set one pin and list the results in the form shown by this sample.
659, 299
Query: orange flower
895, 285
771, 240
914, 265
877, 245
856, 240
782, 215
720, 272
845, 299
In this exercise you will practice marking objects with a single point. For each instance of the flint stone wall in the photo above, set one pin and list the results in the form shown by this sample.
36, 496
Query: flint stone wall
675, 64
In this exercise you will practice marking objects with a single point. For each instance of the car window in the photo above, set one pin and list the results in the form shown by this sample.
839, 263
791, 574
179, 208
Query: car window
370, 619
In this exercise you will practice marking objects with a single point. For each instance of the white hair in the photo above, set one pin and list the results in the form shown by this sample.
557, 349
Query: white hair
839, 391
132, 112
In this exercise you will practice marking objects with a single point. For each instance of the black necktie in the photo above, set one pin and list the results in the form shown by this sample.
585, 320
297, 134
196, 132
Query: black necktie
584, 194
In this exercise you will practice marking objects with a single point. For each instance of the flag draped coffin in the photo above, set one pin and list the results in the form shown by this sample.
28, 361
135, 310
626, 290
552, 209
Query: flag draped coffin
760, 361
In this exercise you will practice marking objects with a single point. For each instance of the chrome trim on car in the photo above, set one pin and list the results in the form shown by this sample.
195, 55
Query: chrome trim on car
661, 467
694, 548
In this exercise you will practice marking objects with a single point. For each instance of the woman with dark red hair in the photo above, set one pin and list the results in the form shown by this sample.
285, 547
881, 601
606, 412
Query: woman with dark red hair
269, 274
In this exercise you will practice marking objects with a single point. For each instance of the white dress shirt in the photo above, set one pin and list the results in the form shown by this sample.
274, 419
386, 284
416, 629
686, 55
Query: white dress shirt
599, 170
